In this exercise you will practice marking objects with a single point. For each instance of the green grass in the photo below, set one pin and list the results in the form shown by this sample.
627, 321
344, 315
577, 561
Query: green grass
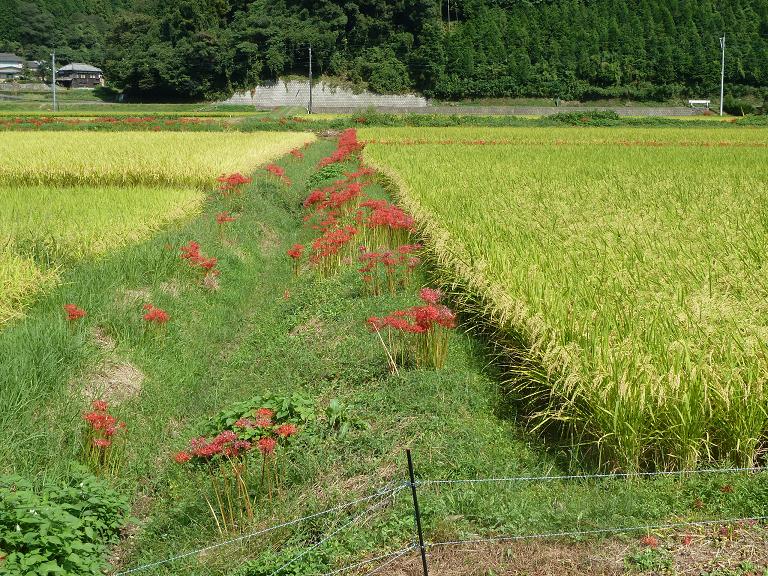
267, 330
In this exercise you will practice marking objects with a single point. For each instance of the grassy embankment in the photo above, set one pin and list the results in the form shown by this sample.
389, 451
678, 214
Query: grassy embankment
265, 330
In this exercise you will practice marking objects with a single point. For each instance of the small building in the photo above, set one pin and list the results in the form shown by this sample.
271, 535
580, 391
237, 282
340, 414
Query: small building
11, 66
79, 75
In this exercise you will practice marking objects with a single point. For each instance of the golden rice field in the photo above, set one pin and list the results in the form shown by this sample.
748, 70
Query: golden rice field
70, 195
137, 158
625, 268
65, 224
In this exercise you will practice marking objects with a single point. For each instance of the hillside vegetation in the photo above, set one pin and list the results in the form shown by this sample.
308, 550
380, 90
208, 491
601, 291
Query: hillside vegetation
571, 49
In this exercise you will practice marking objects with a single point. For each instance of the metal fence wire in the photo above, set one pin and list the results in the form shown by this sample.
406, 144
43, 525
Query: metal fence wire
377, 501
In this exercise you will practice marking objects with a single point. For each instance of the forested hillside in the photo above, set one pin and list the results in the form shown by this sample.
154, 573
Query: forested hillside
75, 28
572, 49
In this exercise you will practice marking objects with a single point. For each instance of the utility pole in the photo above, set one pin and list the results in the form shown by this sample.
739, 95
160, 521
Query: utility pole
53, 78
309, 108
722, 74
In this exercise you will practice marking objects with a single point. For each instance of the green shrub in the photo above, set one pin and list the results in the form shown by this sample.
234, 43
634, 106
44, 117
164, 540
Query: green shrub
295, 409
59, 529
737, 107
325, 175
592, 118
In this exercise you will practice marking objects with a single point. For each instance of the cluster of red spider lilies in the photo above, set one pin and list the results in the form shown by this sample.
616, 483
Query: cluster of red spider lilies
101, 438
243, 464
353, 226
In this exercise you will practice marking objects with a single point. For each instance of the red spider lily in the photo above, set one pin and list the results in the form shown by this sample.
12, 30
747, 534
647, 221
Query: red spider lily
286, 430
245, 423
236, 448
224, 217
347, 145
73, 312
329, 243
430, 295
650, 541
99, 438
397, 267
263, 422
687, 539
276, 170
232, 183
388, 215
422, 333
208, 264
100, 420
182, 457
265, 413
156, 315
267, 445
191, 253
296, 251
279, 172
296, 153
315, 197
99, 405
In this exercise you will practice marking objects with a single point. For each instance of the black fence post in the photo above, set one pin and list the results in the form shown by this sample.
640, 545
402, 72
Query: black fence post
417, 513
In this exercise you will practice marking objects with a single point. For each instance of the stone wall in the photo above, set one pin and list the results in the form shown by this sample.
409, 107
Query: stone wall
296, 93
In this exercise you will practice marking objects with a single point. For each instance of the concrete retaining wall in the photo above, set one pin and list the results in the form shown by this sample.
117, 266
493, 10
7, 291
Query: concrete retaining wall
296, 93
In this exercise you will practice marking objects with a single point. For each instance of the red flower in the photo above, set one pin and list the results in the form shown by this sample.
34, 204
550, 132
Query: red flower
224, 217
232, 182
100, 405
296, 153
101, 442
267, 445
650, 541
296, 251
245, 423
236, 448
287, 430
430, 295
265, 412
346, 146
315, 197
191, 251
687, 539
207, 263
73, 312
182, 457
263, 422
157, 315
276, 170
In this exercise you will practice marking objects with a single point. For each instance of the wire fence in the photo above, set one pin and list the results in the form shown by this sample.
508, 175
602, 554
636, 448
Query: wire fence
380, 499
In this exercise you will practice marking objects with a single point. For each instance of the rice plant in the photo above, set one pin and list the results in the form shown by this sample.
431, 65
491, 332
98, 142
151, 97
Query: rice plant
633, 276
133, 158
